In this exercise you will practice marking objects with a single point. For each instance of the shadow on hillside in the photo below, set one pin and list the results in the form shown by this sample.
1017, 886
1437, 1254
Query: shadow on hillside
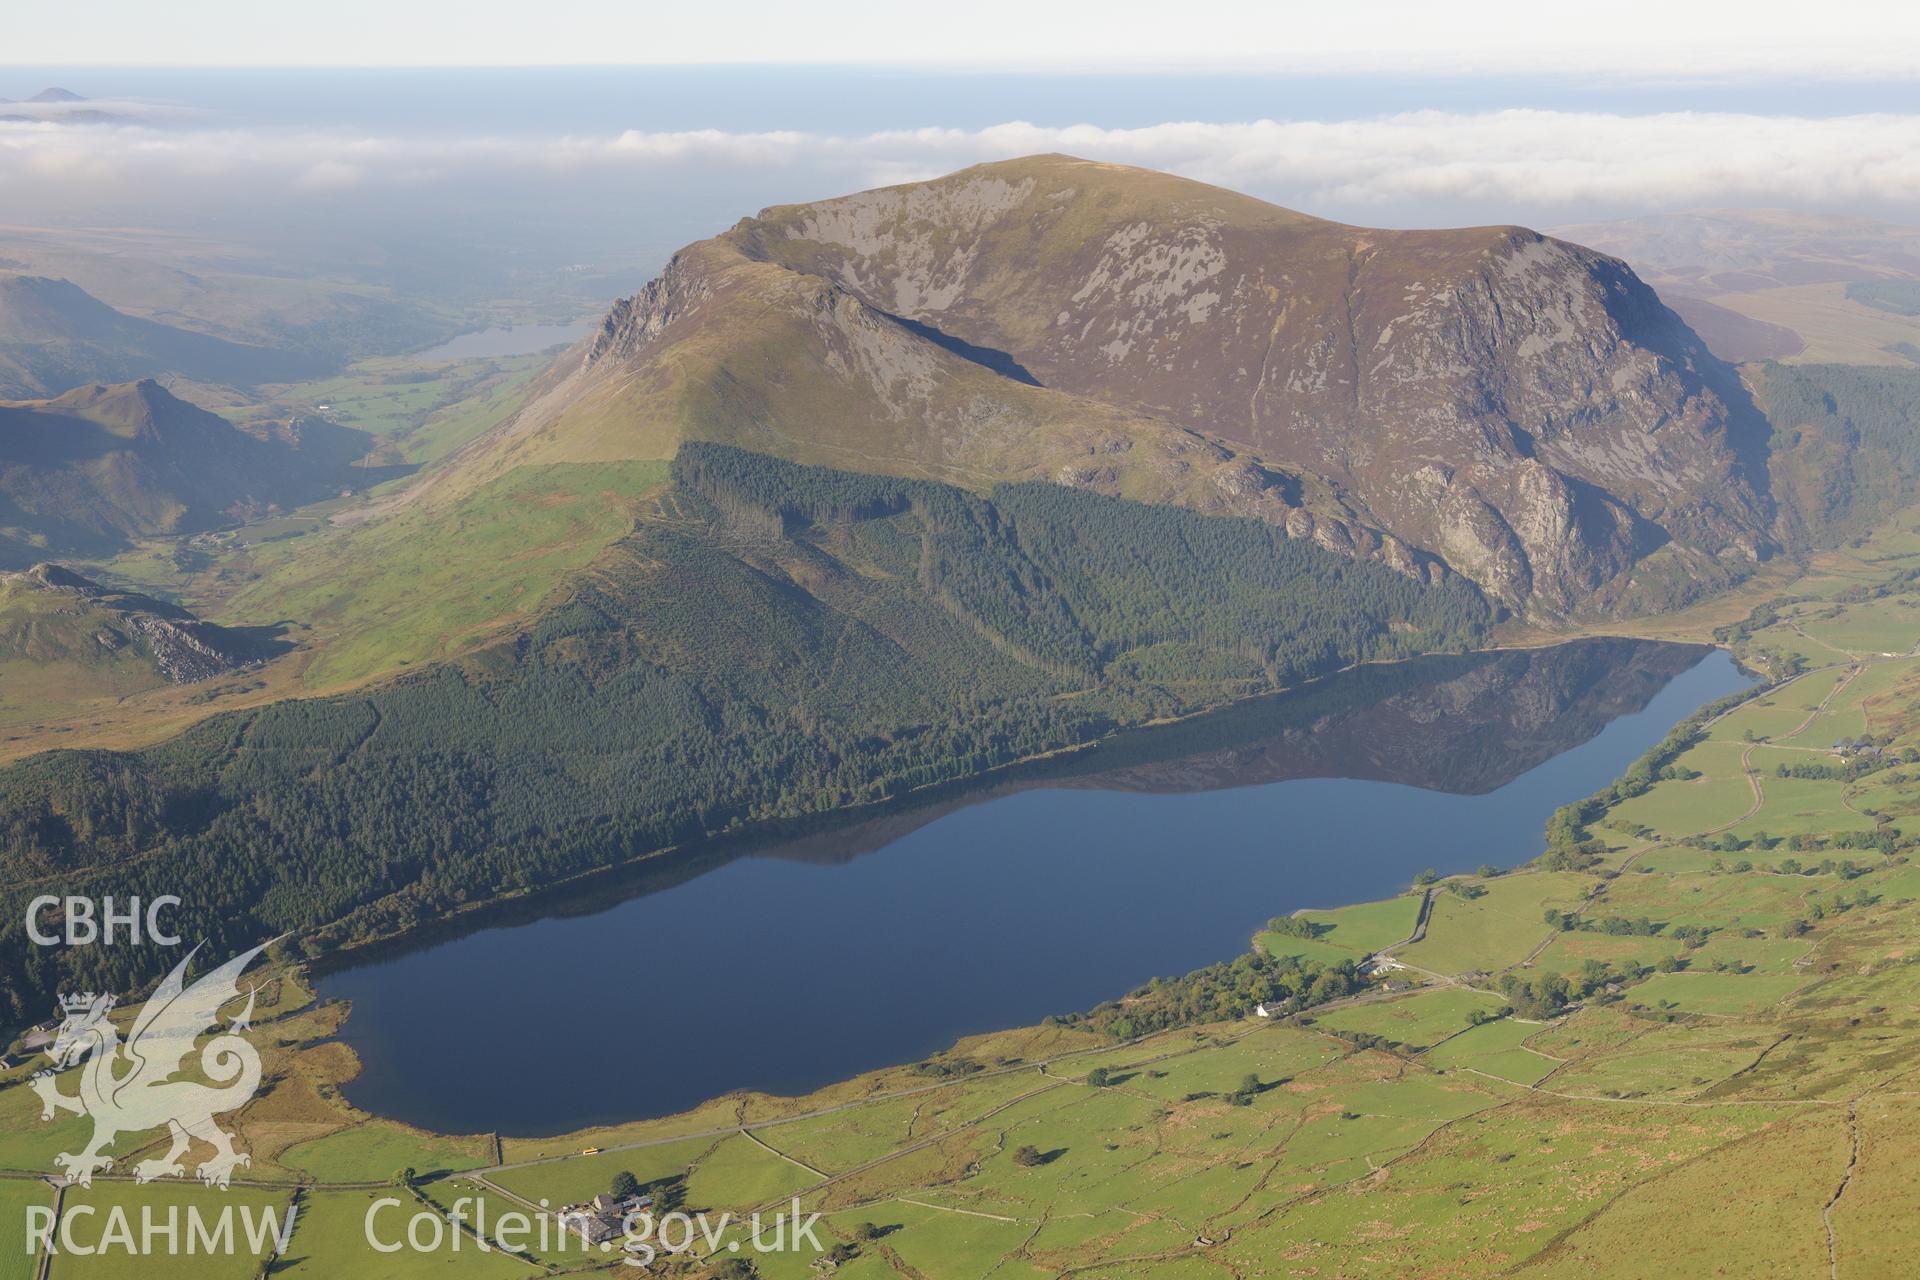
986, 357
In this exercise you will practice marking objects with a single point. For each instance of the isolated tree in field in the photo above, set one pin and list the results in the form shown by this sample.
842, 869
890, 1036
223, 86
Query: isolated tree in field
1029, 1157
1099, 1077
405, 1177
1425, 878
624, 1184
1593, 974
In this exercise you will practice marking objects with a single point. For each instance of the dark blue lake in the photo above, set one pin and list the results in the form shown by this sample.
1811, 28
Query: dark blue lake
791, 966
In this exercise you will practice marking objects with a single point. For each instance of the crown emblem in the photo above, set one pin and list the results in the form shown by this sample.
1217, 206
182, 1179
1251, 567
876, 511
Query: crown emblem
135, 1086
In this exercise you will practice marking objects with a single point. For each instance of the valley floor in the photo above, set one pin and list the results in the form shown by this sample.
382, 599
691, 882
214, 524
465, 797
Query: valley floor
1690, 1050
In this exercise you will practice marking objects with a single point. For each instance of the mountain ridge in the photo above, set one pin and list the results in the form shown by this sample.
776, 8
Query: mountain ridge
1520, 410
90, 471
55, 336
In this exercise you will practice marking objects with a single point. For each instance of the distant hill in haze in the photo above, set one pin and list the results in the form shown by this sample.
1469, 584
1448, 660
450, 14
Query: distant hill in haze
278, 300
50, 96
1776, 284
1522, 410
56, 106
54, 336
88, 472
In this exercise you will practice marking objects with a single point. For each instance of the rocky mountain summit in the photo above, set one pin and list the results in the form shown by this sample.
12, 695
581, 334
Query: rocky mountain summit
1516, 408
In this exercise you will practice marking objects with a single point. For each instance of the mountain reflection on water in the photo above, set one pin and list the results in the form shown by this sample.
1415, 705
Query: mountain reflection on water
1466, 724
786, 965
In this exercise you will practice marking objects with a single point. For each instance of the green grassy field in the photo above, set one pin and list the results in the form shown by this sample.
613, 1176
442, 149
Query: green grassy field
333, 1225
1419, 1020
936, 1242
1680, 1060
1347, 933
1863, 707
571, 1180
417, 411
1877, 630
1774, 716
1798, 805
486, 1210
739, 1173
1497, 929
376, 1150
1718, 992
1368, 926
17, 1195
1314, 949
1683, 807
416, 587
1496, 1048
237, 1256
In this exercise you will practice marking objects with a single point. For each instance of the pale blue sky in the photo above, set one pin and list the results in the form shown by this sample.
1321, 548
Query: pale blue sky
589, 131
1836, 39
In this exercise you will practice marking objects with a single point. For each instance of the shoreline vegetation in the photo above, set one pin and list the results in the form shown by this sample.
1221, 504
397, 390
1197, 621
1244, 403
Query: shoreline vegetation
1593, 977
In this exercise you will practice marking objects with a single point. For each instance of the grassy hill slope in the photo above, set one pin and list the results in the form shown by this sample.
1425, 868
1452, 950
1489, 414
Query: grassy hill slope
66, 640
1523, 409
770, 642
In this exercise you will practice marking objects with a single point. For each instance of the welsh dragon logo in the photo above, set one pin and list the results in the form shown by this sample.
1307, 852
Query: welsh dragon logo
130, 1087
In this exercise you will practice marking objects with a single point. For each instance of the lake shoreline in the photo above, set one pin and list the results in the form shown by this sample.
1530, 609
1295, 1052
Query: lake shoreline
1059, 786
548, 901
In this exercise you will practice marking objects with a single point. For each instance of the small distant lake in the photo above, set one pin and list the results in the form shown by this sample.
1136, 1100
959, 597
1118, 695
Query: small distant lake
514, 340
791, 966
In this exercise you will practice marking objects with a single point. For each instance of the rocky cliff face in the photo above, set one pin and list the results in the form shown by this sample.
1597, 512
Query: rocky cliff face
727, 347
1523, 407
1518, 408
50, 613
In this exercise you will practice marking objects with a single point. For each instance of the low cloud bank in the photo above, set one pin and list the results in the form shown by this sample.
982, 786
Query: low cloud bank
1529, 159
